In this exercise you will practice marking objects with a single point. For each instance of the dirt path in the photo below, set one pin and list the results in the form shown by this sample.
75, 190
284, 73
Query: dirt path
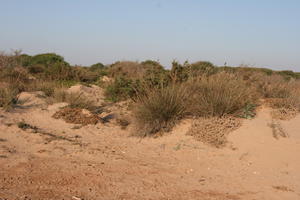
62, 161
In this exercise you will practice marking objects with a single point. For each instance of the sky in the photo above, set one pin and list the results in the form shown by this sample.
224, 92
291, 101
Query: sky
258, 33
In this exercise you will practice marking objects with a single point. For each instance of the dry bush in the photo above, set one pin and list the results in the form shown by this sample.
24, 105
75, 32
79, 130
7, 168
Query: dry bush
219, 95
8, 97
78, 100
284, 94
213, 131
275, 86
284, 113
16, 77
128, 69
159, 109
48, 87
59, 95
76, 116
9, 60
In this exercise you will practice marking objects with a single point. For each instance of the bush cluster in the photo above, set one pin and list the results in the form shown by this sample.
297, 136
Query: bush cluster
161, 96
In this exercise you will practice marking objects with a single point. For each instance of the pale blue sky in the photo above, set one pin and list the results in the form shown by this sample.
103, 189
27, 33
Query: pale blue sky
262, 33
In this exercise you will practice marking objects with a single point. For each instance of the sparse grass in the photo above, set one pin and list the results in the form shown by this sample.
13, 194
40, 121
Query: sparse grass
59, 95
159, 109
78, 100
75, 100
277, 130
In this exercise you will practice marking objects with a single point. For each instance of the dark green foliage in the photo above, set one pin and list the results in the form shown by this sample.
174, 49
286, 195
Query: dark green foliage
84, 74
59, 71
200, 68
47, 59
248, 112
24, 60
97, 67
178, 72
156, 76
287, 74
120, 89
36, 69
151, 63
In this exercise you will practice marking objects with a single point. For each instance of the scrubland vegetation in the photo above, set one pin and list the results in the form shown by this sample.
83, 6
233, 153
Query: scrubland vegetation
160, 96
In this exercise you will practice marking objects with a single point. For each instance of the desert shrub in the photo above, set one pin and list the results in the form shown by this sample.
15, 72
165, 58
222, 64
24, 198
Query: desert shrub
156, 76
159, 109
274, 86
287, 96
132, 70
58, 71
59, 95
47, 87
84, 74
219, 95
24, 60
8, 97
178, 72
120, 89
97, 67
36, 69
16, 77
151, 63
202, 67
78, 100
47, 59
288, 74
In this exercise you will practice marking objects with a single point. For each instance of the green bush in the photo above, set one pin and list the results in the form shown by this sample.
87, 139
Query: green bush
97, 67
47, 59
120, 89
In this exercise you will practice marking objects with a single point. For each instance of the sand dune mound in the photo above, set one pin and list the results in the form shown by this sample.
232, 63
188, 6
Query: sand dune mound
31, 99
93, 92
101, 161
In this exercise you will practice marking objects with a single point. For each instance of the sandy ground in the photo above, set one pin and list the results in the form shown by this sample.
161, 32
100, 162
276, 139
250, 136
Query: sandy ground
64, 161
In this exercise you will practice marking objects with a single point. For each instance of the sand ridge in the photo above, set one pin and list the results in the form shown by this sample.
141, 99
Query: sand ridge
102, 161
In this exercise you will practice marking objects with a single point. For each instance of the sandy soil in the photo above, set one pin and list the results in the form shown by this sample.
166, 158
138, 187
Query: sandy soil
66, 161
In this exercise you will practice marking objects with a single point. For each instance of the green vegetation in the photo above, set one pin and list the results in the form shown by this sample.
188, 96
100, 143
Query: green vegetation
161, 96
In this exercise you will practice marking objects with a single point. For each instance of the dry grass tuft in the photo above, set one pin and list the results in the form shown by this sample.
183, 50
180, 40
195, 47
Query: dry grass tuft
8, 98
220, 94
159, 109
277, 130
213, 131
75, 100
